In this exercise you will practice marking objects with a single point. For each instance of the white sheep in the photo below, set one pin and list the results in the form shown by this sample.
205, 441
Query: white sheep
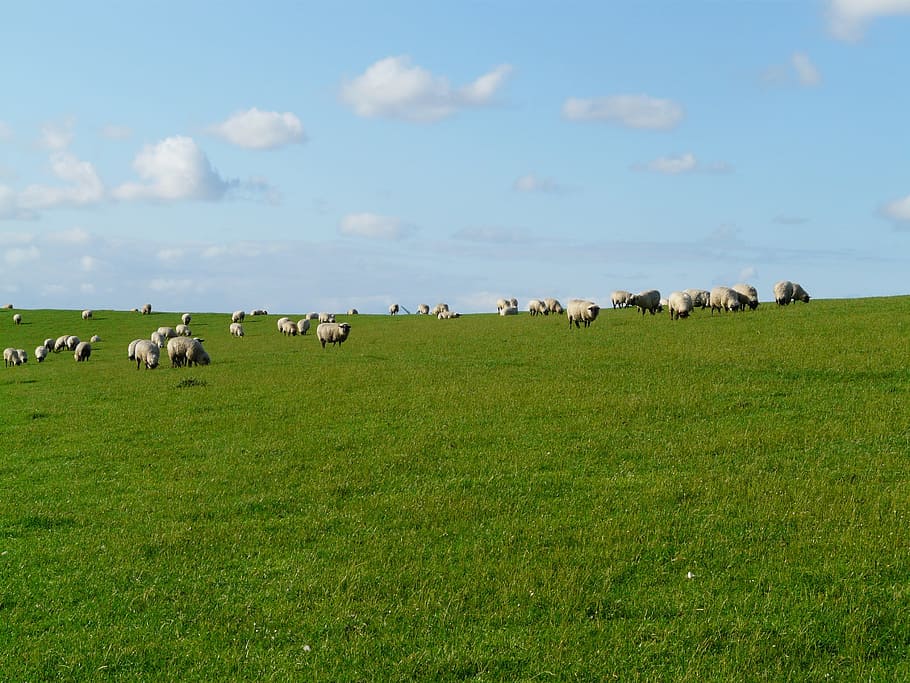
393, 309
537, 307
332, 333
49, 343
303, 326
312, 316
95, 339
183, 331
146, 309
326, 317
509, 310
701, 298
259, 311
439, 308
82, 352
40, 353
186, 351
289, 328
724, 299
553, 306
680, 305
131, 349
60, 343
280, 323
647, 301
749, 295
783, 292
501, 304
7, 307
447, 315
513, 302
197, 355
87, 313
237, 316
354, 311
236, 329
11, 357
423, 309
582, 311
800, 294
621, 298
159, 339
146, 352
17, 318
185, 318
23, 355
72, 342
167, 332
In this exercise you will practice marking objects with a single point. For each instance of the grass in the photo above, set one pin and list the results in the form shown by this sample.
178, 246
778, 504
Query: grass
476, 499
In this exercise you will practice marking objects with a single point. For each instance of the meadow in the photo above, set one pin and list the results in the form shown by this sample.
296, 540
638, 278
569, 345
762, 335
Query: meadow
488, 499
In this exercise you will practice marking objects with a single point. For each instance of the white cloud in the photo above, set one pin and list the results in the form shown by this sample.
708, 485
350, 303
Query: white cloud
88, 263
633, 111
170, 255
116, 132
847, 19
899, 209
374, 226
19, 255
685, 163
806, 72
176, 168
534, 183
57, 136
393, 88
84, 186
255, 129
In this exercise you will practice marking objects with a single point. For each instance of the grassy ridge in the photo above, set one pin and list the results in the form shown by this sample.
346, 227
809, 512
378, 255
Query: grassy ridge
485, 498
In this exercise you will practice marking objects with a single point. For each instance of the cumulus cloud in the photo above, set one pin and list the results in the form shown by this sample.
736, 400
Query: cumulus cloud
534, 183
255, 129
394, 88
685, 163
174, 169
899, 209
806, 72
83, 186
632, 111
847, 19
373, 226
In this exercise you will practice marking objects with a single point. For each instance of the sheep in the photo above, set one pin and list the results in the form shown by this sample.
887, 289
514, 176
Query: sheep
95, 339
159, 339
23, 355
146, 352
11, 357
582, 310
236, 330
40, 353
131, 349
509, 310
185, 318
326, 317
146, 309
60, 343
82, 352
680, 305
303, 326
17, 318
237, 316
423, 309
312, 316
439, 308
280, 323
7, 307
49, 343
72, 342
183, 331
289, 328
167, 332
447, 315
553, 306
393, 309
537, 307
513, 302
800, 294
87, 314
749, 295
621, 298
177, 349
647, 301
333, 333
700, 298
196, 354
259, 311
354, 311
501, 304
783, 292
724, 299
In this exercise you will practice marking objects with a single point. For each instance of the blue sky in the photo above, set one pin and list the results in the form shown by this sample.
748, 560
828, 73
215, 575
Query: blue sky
321, 156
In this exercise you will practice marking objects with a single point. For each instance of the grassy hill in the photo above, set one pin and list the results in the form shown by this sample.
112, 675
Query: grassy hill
486, 498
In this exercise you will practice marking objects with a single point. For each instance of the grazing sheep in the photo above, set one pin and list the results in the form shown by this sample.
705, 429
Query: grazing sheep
159, 339
131, 349
447, 315
501, 304
17, 318
312, 316
509, 310
289, 328
800, 294
783, 292
40, 353
439, 308
7, 307
423, 309
11, 357
146, 352
647, 301
168, 332
87, 313
303, 326
326, 317
621, 298
186, 317
553, 306
701, 298
82, 352
537, 307
236, 330
749, 295
146, 309
259, 311
197, 355
60, 343
49, 343
333, 333
582, 311
513, 302
23, 355
680, 305
280, 323
72, 342
186, 351
354, 311
237, 316
393, 309
724, 299
95, 339
183, 331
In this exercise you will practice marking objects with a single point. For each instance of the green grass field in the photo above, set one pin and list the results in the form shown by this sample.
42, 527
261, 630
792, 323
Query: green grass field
495, 499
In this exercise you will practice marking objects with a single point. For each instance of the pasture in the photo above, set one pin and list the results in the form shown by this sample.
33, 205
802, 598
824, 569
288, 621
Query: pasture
487, 498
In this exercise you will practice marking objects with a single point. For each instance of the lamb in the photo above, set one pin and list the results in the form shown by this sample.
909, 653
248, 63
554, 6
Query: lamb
236, 330
509, 310
647, 301
86, 314
537, 307
167, 332
700, 298
439, 308
17, 318
724, 299
82, 352
326, 318
749, 295
183, 331
11, 357
621, 298
800, 294
303, 326
333, 333
393, 309
423, 309
40, 353
553, 306
146, 352
582, 310
680, 305
237, 316
146, 309
185, 318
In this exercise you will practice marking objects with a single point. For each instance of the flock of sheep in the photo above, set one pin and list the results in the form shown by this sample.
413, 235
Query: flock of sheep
185, 350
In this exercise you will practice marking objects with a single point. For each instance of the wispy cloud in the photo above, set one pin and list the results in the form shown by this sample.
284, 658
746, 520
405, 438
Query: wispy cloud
806, 72
898, 210
256, 129
847, 19
373, 226
533, 183
685, 163
394, 88
82, 186
57, 136
632, 111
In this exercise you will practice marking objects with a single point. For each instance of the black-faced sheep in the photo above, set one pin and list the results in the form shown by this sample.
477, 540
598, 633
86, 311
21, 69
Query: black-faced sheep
332, 333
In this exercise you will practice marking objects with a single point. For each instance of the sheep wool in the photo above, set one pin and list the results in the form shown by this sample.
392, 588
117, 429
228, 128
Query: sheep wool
146, 352
582, 311
647, 301
82, 352
332, 333
680, 305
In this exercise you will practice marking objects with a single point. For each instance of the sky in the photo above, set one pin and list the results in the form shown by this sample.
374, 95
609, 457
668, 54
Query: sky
303, 156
